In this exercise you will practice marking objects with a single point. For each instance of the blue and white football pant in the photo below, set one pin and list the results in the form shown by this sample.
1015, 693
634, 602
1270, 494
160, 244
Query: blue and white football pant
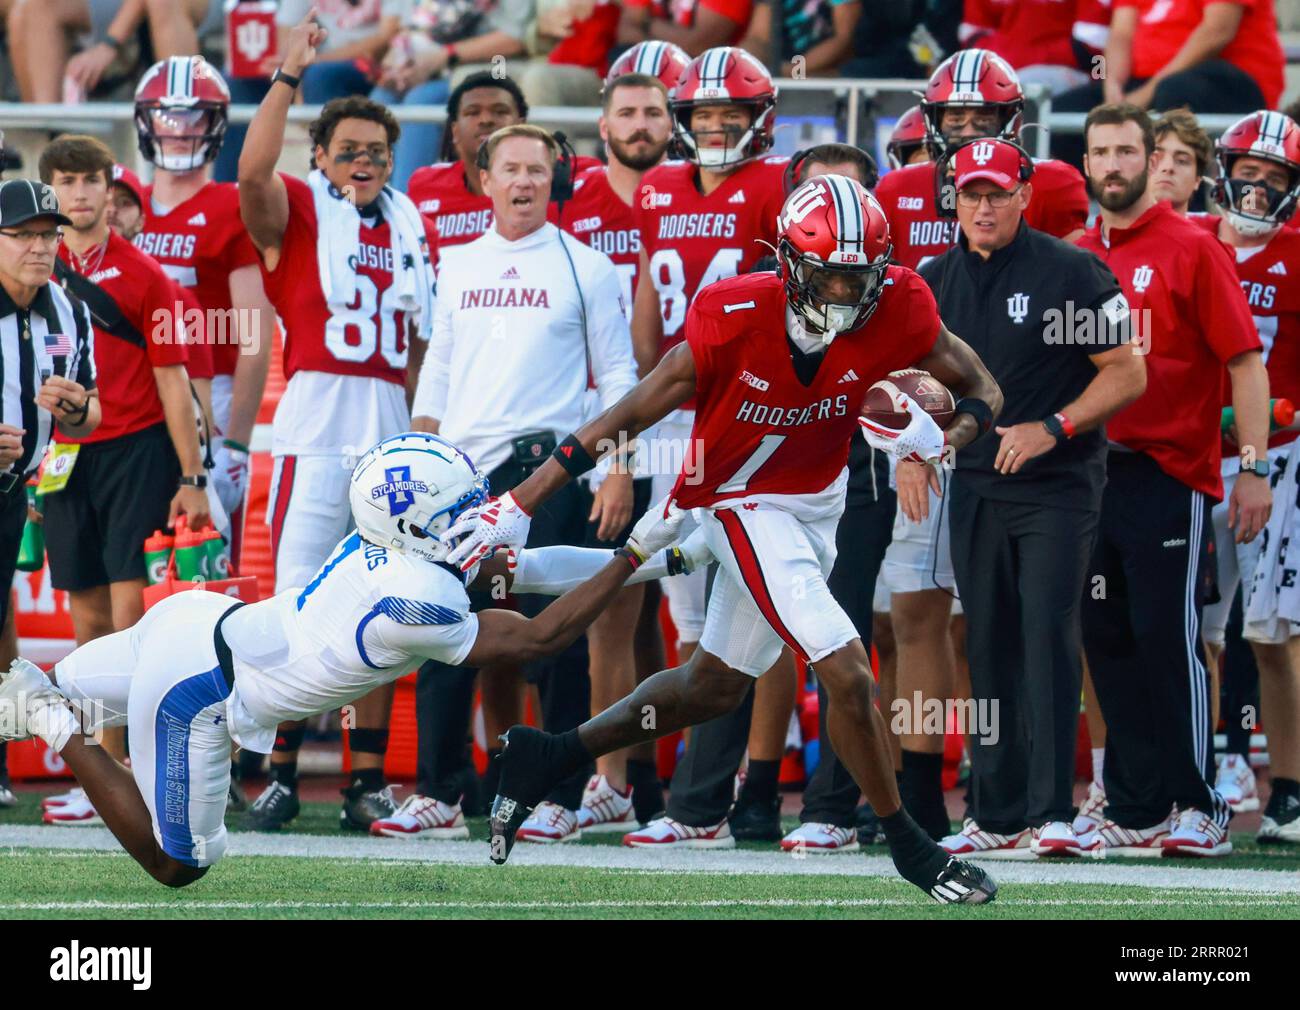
919, 557
308, 513
161, 679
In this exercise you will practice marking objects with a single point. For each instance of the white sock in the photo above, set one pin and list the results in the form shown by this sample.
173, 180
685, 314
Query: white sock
1098, 760
51, 720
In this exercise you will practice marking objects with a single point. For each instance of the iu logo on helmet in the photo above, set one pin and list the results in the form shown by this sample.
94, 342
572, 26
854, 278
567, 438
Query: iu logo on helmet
982, 152
1018, 307
1142, 277
802, 203
399, 489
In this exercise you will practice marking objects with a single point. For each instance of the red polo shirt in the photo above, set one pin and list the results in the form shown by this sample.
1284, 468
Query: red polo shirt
1192, 317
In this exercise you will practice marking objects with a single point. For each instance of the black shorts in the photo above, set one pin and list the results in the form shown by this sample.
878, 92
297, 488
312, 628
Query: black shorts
641, 487
13, 517
118, 495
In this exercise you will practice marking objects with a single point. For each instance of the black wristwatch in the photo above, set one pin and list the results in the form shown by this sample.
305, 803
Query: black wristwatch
1259, 468
288, 79
199, 481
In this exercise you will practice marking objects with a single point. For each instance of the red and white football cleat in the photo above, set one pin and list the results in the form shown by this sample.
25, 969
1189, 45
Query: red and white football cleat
1055, 839
79, 813
1109, 841
1092, 813
667, 833
62, 799
1235, 782
422, 817
820, 839
974, 841
604, 808
550, 823
1196, 834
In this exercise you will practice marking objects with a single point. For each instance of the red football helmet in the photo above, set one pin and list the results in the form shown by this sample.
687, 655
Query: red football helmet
663, 60
909, 134
725, 75
833, 249
972, 78
181, 108
1270, 136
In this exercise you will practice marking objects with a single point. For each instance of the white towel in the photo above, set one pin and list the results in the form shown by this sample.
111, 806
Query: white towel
1272, 601
339, 221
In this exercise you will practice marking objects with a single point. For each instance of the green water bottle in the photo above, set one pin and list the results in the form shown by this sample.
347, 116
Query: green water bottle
191, 556
157, 553
218, 555
31, 550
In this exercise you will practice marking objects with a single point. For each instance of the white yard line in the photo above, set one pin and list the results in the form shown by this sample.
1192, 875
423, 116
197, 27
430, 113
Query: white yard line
1141, 873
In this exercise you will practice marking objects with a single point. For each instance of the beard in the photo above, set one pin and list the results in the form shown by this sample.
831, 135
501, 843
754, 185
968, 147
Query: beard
621, 151
1123, 200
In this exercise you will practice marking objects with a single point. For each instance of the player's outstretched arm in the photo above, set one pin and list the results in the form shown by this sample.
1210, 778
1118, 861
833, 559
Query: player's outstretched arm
953, 363
263, 202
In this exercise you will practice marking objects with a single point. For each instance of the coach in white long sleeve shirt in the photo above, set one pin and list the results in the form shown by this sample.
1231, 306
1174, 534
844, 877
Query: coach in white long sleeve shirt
518, 317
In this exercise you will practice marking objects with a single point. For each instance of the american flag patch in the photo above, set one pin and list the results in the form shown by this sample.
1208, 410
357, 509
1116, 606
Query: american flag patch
58, 343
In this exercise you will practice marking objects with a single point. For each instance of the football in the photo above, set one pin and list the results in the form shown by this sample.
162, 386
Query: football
880, 403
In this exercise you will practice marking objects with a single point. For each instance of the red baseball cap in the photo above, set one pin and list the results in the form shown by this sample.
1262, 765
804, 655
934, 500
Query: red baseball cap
991, 159
123, 176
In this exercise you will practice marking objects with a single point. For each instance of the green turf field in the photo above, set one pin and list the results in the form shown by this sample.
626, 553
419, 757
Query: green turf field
317, 871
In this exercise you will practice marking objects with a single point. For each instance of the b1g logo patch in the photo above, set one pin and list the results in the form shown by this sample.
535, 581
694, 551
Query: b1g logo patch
398, 488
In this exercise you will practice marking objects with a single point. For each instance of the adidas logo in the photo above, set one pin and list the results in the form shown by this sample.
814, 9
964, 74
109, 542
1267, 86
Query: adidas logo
197, 219
510, 275
849, 376
738, 197
1278, 268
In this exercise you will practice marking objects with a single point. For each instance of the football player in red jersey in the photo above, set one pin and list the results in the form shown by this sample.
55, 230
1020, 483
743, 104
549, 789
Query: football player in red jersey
1258, 190
348, 263
637, 130
907, 143
779, 364
973, 93
192, 227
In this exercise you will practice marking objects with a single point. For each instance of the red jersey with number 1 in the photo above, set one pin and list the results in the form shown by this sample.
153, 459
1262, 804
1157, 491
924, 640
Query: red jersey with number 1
370, 337
758, 429
200, 243
1058, 205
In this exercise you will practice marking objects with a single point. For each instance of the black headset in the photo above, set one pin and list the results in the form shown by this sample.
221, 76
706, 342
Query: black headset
945, 187
791, 178
562, 177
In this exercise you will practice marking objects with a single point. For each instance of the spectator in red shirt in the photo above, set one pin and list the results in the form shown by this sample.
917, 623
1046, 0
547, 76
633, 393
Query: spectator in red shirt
1209, 55
695, 25
1050, 42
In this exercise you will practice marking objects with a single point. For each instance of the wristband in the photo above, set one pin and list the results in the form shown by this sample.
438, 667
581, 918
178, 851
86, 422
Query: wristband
117, 45
453, 57
1066, 424
288, 79
230, 443
676, 561
573, 457
1059, 427
978, 409
633, 558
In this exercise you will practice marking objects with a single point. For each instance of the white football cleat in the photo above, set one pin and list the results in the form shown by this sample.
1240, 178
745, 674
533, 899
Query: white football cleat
1092, 813
974, 841
61, 799
550, 823
1196, 834
422, 817
821, 839
24, 689
7, 797
80, 813
1281, 821
1109, 840
1235, 782
667, 833
1054, 840
604, 808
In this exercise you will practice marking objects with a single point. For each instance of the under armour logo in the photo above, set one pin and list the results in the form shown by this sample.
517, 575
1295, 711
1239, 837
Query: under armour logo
982, 152
1142, 278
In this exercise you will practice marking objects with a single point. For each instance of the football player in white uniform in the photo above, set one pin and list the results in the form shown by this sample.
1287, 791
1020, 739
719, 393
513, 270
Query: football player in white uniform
200, 671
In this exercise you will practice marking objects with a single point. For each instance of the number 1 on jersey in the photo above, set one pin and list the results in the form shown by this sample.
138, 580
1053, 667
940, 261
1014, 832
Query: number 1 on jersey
761, 454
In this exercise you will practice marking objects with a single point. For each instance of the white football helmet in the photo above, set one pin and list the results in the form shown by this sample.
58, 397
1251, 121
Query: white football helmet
408, 490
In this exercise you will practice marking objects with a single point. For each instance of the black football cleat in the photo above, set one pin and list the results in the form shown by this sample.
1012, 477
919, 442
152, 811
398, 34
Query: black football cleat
275, 808
361, 809
526, 775
756, 820
962, 883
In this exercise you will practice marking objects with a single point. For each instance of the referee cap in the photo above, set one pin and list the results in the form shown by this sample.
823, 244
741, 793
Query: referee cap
995, 160
23, 199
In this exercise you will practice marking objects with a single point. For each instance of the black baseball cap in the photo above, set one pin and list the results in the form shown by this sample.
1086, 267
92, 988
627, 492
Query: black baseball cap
22, 200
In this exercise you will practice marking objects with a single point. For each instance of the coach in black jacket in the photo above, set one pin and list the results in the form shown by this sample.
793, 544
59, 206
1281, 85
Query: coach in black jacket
1051, 323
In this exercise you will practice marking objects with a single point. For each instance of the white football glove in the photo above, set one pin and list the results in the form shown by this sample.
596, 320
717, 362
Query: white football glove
696, 553
500, 523
230, 476
922, 441
658, 528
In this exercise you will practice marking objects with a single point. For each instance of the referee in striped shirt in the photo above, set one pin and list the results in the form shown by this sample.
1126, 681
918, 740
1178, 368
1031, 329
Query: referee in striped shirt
47, 369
